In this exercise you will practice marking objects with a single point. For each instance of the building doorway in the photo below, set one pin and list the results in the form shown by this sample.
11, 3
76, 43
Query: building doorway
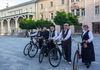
96, 28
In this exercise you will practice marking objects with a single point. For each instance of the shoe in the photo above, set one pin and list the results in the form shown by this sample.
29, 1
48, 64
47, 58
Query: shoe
88, 65
69, 62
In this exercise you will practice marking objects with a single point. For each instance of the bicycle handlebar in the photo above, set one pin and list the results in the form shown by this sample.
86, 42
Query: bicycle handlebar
78, 41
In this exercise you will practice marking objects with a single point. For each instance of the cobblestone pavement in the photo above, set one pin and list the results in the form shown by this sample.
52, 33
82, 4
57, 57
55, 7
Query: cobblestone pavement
12, 57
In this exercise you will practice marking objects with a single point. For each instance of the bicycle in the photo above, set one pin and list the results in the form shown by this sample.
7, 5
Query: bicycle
56, 54
31, 48
77, 55
42, 51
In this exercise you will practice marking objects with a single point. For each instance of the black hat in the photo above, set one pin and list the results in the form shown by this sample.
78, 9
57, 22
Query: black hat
52, 25
39, 27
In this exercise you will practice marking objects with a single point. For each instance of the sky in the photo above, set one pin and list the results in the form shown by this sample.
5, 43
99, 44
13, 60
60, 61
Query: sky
3, 3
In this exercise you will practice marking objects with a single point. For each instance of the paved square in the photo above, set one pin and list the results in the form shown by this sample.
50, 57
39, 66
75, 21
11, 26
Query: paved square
12, 57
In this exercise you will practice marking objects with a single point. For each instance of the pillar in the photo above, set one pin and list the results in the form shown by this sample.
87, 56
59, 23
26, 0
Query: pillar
9, 32
16, 26
80, 11
28, 16
2, 33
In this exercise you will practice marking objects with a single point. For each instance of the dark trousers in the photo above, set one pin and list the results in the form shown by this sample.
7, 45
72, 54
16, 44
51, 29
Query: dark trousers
40, 43
51, 45
66, 45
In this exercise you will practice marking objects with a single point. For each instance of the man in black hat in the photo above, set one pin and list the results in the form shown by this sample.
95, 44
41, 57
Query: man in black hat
88, 54
66, 42
52, 35
39, 35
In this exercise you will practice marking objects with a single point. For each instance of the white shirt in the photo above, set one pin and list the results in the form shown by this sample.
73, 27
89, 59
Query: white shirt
56, 34
35, 34
67, 36
90, 34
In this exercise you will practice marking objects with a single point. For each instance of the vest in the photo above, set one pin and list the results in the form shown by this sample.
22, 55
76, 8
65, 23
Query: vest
85, 36
40, 33
53, 33
64, 35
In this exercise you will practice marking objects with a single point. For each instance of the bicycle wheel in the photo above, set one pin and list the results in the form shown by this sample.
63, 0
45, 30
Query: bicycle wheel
33, 51
26, 49
54, 57
41, 55
75, 61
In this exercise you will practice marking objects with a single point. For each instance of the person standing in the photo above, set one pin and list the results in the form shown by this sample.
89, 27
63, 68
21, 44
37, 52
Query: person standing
26, 32
39, 35
87, 52
52, 35
66, 42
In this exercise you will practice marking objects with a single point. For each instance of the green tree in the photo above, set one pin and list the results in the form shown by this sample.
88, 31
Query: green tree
62, 17
43, 23
27, 24
31, 24
23, 23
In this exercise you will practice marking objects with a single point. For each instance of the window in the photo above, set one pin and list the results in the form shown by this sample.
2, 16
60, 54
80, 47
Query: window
51, 15
51, 4
96, 9
73, 12
41, 16
21, 11
77, 12
41, 6
83, 12
77, 0
26, 10
62, 2
30, 9
62, 10
72, 0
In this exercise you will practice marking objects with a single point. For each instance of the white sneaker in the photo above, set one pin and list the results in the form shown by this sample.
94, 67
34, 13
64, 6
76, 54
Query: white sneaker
69, 62
65, 60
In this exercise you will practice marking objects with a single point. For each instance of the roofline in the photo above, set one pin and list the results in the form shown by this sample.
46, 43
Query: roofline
19, 5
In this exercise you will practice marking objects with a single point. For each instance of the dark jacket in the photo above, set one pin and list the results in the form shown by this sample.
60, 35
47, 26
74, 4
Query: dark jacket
45, 34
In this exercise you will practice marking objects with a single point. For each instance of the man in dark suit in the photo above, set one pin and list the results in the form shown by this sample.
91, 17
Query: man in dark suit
45, 35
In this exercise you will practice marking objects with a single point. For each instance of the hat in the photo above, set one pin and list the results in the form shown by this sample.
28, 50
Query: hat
52, 25
39, 27
66, 24
85, 25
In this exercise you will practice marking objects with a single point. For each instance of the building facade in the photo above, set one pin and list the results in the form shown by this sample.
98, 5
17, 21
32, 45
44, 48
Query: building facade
11, 16
47, 9
87, 10
89, 13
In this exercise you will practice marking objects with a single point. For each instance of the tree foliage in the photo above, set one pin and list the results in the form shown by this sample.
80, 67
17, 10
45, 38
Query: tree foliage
62, 17
43, 23
32, 24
